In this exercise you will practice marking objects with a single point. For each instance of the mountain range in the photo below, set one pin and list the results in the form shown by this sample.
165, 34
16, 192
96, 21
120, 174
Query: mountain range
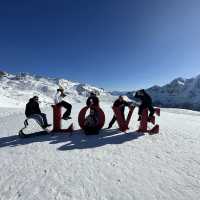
15, 90
179, 93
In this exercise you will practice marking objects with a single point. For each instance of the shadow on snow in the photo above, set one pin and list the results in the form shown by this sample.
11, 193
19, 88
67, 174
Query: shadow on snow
74, 140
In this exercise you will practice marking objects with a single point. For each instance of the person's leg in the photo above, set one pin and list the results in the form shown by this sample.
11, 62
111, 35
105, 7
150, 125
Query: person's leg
112, 122
141, 108
68, 108
44, 117
152, 110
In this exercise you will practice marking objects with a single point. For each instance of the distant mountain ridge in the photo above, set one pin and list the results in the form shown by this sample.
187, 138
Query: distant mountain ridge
179, 93
15, 90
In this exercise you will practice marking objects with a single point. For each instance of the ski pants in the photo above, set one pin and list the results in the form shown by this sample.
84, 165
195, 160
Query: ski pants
68, 108
114, 119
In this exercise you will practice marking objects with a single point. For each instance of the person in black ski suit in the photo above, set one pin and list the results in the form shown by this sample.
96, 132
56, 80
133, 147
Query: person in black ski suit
146, 102
32, 107
120, 103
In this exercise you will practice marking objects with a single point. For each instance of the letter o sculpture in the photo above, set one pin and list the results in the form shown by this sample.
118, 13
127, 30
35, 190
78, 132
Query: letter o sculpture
82, 113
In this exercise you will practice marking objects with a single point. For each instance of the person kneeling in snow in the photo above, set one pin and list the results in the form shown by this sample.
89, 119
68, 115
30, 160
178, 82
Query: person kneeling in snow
32, 108
146, 102
58, 100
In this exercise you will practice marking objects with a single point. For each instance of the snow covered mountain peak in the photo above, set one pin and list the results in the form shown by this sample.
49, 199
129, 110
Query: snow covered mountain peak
178, 82
180, 93
15, 90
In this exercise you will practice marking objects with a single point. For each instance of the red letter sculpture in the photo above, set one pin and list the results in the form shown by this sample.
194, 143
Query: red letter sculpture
57, 120
144, 122
123, 123
101, 117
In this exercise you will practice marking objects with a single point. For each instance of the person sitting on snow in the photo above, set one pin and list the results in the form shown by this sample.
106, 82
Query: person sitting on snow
91, 124
32, 108
58, 100
146, 102
119, 103
93, 102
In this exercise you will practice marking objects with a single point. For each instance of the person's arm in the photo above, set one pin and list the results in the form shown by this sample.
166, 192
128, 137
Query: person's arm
138, 95
126, 103
27, 113
63, 94
96, 101
38, 108
88, 101
116, 103
147, 98
56, 99
135, 103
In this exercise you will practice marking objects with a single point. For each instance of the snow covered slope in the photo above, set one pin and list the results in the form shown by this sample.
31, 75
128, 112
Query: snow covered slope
110, 166
15, 90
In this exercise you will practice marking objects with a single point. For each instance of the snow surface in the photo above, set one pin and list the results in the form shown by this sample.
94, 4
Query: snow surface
109, 166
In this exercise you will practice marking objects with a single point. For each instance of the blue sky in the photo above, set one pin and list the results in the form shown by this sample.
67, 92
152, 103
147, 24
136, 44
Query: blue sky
114, 44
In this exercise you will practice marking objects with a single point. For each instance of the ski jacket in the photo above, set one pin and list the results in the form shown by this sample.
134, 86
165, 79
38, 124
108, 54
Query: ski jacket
121, 104
32, 107
58, 98
145, 98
